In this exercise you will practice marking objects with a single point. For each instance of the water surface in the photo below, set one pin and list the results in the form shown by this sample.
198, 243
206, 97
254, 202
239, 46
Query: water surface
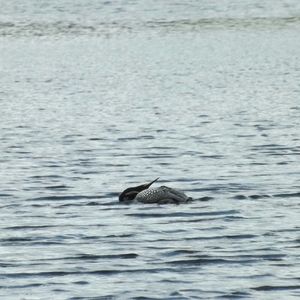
102, 95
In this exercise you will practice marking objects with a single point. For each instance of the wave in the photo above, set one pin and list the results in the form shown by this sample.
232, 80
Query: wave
62, 28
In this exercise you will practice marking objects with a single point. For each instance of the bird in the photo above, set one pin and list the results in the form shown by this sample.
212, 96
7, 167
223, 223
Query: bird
161, 195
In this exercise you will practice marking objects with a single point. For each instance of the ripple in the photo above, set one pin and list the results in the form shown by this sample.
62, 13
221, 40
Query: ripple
22, 286
182, 214
63, 198
201, 261
48, 28
287, 195
236, 295
57, 187
79, 273
106, 297
232, 237
98, 257
276, 288
5, 195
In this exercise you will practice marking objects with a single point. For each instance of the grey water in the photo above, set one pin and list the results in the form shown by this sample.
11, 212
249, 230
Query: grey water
97, 96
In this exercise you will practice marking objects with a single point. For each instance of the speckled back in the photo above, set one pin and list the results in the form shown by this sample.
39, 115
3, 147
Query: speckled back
154, 195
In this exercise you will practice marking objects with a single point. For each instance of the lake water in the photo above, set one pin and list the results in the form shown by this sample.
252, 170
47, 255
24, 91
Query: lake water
97, 96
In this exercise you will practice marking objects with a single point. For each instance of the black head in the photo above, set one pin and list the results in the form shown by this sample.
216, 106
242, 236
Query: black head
130, 193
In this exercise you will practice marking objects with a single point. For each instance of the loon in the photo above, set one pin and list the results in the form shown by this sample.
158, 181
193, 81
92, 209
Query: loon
161, 195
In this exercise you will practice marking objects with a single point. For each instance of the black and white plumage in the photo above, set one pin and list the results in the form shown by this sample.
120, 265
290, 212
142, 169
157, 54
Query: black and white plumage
160, 195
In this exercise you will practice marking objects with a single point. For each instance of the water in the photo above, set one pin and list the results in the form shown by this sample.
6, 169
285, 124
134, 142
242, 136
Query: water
97, 96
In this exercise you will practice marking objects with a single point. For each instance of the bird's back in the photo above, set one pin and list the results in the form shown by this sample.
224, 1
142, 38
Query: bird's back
162, 194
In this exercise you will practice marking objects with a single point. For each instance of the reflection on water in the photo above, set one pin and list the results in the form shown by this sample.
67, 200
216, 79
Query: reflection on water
97, 97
